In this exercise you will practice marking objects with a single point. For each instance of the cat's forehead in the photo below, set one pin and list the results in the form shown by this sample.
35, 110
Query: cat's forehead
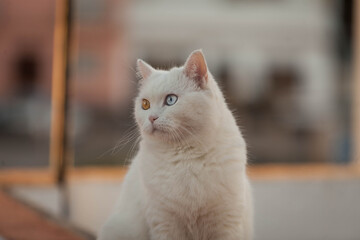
163, 82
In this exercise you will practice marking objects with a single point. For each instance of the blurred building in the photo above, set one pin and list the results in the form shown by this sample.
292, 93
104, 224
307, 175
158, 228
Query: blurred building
277, 61
26, 47
98, 81
100, 67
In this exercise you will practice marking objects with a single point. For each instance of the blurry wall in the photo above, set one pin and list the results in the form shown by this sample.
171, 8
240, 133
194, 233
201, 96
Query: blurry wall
100, 49
25, 46
26, 41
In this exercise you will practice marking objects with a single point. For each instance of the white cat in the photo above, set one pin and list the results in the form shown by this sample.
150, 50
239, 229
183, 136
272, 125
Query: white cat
188, 180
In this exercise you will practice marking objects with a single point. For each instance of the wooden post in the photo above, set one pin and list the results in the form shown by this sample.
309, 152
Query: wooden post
58, 137
356, 85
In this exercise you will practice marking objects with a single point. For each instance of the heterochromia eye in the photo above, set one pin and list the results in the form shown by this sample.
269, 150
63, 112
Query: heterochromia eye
145, 104
171, 99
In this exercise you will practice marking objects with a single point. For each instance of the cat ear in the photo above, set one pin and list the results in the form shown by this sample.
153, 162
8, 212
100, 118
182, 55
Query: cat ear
144, 69
195, 68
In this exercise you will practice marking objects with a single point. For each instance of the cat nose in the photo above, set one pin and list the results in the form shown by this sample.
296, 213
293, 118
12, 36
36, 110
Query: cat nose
153, 118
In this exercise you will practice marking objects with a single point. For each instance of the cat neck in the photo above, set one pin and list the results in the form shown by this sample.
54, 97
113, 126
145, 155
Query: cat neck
193, 144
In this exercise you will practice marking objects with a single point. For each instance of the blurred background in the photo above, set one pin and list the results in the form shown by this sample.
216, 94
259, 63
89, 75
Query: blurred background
285, 67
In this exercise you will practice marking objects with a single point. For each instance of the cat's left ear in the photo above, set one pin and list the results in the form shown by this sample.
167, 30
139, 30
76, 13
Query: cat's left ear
195, 68
145, 70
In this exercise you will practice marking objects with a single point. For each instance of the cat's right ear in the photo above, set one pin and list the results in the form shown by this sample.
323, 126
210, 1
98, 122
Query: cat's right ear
144, 69
195, 68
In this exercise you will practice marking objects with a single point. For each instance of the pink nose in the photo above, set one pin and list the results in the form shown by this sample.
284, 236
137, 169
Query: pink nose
153, 118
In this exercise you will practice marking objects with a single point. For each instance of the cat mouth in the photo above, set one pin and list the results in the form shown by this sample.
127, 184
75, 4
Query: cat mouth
157, 129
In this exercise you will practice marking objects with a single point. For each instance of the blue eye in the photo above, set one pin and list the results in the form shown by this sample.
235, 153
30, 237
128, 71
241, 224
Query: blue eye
171, 99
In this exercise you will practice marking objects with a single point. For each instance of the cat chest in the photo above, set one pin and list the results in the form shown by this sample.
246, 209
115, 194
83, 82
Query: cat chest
188, 185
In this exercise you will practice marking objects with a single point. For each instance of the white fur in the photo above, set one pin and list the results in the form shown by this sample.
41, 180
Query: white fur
188, 180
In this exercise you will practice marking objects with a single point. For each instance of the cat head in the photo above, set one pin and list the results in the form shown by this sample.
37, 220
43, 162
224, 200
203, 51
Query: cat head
176, 105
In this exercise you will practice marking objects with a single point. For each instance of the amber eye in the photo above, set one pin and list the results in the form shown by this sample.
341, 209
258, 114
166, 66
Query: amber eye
145, 104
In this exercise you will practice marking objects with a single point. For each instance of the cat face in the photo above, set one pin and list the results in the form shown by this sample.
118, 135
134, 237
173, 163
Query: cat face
174, 105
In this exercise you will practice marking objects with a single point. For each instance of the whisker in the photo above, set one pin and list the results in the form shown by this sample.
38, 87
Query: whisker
133, 148
125, 139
